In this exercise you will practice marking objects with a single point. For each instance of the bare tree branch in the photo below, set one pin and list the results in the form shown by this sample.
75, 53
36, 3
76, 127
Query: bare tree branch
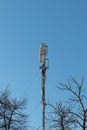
75, 88
12, 116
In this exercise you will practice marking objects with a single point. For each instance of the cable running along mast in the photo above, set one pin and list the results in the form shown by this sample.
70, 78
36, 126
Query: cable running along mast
43, 67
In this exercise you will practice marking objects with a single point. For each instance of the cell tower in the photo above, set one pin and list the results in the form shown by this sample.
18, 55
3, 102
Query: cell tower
43, 67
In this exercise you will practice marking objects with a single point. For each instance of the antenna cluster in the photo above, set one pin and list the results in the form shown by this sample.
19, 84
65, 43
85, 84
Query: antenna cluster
43, 60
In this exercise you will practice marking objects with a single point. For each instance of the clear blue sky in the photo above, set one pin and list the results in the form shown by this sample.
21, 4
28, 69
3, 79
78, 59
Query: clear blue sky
24, 25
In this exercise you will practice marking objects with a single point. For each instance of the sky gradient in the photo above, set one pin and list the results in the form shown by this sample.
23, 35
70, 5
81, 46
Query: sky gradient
24, 25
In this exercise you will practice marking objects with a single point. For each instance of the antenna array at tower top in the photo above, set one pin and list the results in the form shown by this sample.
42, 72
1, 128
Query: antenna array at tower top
43, 52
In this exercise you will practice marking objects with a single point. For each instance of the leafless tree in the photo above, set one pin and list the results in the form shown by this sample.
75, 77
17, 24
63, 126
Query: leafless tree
60, 117
78, 100
12, 116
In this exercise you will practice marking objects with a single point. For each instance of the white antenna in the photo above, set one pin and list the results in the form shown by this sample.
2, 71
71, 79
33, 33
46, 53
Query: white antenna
43, 67
43, 52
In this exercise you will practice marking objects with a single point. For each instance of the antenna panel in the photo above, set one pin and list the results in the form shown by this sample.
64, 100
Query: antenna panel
43, 52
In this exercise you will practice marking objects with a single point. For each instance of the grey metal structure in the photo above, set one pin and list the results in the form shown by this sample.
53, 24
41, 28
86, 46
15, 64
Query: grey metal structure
43, 67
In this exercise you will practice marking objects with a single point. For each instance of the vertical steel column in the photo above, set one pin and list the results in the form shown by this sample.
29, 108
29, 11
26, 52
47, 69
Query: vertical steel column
43, 67
43, 95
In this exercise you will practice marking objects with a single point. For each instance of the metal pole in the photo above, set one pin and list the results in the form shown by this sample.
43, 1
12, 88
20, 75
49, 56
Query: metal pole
43, 96
43, 67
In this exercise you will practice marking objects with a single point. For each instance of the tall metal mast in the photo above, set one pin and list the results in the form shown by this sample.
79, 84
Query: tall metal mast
43, 67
